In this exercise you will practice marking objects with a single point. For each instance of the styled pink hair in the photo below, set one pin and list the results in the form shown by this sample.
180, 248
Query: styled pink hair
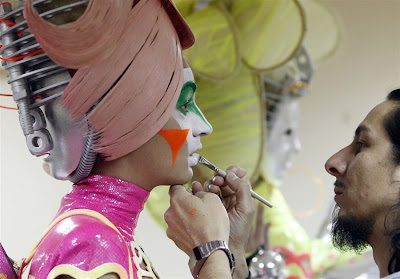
129, 61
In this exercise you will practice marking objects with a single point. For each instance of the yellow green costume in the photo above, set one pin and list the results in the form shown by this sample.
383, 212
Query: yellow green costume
238, 42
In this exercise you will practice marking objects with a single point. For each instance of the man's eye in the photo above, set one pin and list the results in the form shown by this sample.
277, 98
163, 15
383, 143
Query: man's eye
360, 144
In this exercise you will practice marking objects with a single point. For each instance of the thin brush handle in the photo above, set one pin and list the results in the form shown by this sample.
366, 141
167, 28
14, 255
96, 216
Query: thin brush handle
253, 194
261, 199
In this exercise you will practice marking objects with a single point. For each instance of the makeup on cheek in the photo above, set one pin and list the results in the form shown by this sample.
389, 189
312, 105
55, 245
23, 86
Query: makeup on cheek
175, 139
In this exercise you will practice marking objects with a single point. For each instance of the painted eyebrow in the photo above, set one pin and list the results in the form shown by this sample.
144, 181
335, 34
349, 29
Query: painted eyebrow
360, 129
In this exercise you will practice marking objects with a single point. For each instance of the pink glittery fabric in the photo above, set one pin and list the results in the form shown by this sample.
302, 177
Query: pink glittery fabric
6, 270
85, 242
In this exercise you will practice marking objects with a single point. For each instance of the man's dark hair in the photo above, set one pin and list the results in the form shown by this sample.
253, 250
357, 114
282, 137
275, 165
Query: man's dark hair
392, 127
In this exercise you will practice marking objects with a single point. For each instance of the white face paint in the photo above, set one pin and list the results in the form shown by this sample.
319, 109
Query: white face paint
282, 141
189, 116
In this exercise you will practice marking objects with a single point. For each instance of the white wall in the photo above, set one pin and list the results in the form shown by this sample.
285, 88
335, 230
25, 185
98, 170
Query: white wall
345, 88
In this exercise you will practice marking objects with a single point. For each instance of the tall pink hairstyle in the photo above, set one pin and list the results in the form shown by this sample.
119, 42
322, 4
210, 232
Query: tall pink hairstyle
129, 59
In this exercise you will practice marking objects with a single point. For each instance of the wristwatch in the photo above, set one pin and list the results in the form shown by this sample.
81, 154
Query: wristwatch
200, 254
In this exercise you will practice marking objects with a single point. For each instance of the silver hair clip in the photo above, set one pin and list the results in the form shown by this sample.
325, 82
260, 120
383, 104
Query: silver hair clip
35, 79
27, 75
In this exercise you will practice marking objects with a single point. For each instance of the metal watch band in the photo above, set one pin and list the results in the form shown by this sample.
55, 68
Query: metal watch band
200, 254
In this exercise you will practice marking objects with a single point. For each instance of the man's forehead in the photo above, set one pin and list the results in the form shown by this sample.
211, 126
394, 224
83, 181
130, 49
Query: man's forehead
362, 128
374, 121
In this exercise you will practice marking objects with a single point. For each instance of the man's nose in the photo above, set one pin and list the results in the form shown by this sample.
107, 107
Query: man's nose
336, 165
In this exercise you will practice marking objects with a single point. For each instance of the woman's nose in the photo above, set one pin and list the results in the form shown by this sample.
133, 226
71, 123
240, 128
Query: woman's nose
205, 129
202, 127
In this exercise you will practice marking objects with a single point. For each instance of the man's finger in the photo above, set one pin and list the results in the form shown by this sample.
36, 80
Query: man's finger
214, 189
226, 191
206, 186
196, 187
260, 214
239, 172
235, 179
260, 228
218, 180
241, 189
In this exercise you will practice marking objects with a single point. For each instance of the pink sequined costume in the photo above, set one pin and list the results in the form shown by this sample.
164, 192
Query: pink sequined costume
84, 245
128, 72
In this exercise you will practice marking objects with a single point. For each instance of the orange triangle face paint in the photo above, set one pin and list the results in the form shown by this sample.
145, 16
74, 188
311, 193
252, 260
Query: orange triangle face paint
175, 138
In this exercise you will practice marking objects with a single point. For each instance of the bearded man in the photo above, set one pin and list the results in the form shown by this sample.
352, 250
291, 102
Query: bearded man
367, 188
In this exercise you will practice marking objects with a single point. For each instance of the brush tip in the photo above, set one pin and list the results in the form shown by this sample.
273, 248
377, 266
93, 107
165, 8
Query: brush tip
197, 156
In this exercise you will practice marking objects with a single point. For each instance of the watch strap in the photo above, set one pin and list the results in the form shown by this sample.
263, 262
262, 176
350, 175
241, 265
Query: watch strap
200, 254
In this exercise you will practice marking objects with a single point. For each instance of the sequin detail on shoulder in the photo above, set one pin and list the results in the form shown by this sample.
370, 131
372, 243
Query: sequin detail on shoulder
142, 263
97, 272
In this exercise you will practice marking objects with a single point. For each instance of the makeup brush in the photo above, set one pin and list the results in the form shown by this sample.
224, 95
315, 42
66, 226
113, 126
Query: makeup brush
220, 172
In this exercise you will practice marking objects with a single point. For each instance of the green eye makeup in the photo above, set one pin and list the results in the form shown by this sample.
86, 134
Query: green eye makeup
186, 100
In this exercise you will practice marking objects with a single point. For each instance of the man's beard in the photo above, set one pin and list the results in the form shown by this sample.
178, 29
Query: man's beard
350, 233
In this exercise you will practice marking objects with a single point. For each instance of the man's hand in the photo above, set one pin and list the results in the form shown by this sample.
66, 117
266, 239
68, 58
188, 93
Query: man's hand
236, 197
259, 236
195, 218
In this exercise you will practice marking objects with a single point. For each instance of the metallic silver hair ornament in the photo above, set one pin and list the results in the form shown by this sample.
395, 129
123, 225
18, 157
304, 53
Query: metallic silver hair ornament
37, 83
295, 85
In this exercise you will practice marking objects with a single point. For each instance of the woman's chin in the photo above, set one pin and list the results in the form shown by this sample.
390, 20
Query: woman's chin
181, 179
187, 176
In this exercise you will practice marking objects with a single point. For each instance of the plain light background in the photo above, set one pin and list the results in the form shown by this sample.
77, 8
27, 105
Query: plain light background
345, 87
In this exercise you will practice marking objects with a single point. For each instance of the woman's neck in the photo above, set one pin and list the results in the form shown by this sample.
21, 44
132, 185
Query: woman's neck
123, 169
